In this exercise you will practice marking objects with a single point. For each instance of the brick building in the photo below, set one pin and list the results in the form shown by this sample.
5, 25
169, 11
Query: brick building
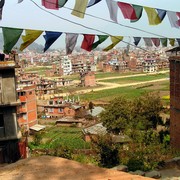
175, 101
58, 107
87, 79
27, 111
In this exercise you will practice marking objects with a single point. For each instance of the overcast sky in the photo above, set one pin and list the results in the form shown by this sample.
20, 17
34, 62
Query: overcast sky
28, 16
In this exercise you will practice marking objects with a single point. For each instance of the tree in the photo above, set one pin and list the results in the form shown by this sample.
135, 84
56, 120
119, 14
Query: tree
91, 106
117, 115
149, 106
139, 114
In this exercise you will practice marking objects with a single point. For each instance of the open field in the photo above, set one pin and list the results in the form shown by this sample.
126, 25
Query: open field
130, 91
136, 78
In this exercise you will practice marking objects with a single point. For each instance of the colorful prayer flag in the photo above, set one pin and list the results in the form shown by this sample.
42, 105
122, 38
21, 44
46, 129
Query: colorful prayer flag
50, 4
93, 2
80, 8
11, 36
102, 38
61, 3
20, 1
161, 13
136, 40
71, 40
115, 40
156, 41
178, 40
88, 42
138, 11
127, 10
171, 41
163, 42
148, 41
153, 17
113, 9
50, 37
173, 19
30, 37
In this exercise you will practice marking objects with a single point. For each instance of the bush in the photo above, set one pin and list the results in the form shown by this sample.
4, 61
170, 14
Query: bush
135, 164
37, 139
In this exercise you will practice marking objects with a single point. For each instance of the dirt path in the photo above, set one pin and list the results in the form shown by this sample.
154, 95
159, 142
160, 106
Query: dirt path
108, 85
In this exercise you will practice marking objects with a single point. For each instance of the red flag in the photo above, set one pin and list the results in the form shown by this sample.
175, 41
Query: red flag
156, 41
88, 42
50, 4
127, 11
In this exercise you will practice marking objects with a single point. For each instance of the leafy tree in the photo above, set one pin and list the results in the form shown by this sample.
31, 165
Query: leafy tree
107, 151
117, 115
91, 106
148, 106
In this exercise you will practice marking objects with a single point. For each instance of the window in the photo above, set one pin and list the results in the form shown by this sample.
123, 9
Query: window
51, 109
30, 92
50, 102
1, 120
25, 116
60, 110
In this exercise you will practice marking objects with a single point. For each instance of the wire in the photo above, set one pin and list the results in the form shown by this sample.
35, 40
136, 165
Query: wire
109, 21
83, 25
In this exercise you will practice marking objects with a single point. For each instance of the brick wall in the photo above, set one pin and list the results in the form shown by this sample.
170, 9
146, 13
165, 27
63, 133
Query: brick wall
175, 101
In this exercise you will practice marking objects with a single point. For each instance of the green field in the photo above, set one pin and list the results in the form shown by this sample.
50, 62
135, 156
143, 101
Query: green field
70, 137
129, 92
113, 74
136, 78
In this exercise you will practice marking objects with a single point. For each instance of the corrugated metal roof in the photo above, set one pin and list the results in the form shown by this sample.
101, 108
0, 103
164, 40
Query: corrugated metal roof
96, 111
96, 129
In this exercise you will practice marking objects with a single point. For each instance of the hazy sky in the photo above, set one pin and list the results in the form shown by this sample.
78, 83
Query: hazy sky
28, 16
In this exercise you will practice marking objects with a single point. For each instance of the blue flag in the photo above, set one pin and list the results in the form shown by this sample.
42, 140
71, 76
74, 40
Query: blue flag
50, 37
161, 13
93, 2
136, 40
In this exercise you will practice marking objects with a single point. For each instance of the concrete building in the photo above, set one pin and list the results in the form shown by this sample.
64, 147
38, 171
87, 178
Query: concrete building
27, 111
149, 65
65, 66
9, 131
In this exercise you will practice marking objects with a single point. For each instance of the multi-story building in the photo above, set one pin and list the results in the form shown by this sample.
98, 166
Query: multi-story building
9, 130
65, 66
87, 79
27, 111
150, 65
58, 107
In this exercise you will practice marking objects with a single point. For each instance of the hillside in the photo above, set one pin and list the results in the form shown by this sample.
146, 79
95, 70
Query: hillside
48, 167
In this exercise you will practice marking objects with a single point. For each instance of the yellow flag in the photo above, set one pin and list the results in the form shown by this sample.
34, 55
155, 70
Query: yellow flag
80, 8
30, 37
171, 41
153, 16
115, 40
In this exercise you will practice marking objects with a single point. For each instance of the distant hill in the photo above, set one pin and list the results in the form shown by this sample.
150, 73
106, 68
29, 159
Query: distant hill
34, 46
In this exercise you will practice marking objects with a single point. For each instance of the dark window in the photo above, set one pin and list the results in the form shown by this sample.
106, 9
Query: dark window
1, 120
30, 93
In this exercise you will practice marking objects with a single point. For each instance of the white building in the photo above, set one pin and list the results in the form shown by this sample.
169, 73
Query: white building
66, 65
150, 65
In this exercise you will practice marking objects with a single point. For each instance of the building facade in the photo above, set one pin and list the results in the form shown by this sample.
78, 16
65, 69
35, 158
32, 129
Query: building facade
27, 111
9, 130
175, 101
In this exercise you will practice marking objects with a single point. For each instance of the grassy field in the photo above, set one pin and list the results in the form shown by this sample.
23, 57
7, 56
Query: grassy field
70, 137
39, 69
113, 74
129, 92
137, 78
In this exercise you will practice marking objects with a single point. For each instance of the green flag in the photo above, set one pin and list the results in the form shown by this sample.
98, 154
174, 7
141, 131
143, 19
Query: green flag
102, 38
163, 42
61, 3
11, 36
138, 11
171, 41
